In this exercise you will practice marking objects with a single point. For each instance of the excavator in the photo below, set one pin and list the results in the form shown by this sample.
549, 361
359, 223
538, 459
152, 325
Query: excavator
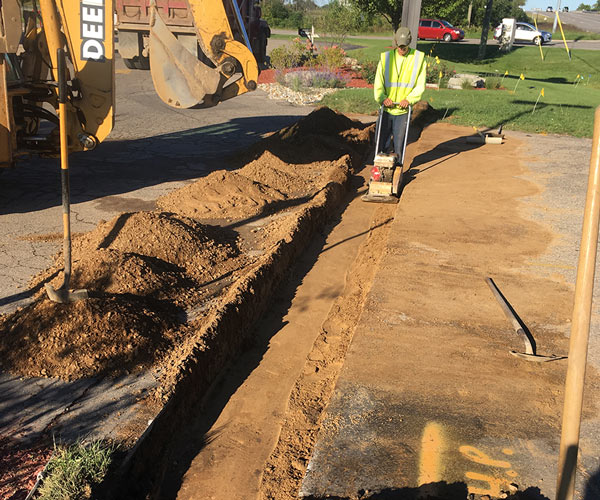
33, 38
57, 76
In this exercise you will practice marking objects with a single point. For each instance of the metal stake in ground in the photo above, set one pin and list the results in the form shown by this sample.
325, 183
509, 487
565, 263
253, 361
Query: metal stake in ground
63, 295
529, 353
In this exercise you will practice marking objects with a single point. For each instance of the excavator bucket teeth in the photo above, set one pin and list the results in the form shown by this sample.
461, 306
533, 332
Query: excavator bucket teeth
180, 79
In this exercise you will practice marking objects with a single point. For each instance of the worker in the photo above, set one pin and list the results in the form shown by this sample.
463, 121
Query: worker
399, 83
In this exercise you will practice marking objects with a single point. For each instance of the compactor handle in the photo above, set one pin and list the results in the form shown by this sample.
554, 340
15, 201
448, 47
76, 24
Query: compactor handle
378, 128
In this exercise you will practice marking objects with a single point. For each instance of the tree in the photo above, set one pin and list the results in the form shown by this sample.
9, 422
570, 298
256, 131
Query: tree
453, 11
584, 6
456, 11
484, 29
278, 14
339, 20
391, 10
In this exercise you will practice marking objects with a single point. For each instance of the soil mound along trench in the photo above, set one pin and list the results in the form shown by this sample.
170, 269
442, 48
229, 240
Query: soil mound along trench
154, 277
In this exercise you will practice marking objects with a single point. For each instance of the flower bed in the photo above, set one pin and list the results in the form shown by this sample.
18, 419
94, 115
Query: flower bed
354, 80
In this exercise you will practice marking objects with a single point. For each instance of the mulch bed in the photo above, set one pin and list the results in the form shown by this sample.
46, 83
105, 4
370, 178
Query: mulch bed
268, 76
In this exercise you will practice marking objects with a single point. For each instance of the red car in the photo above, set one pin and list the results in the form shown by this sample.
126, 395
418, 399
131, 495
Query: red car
439, 30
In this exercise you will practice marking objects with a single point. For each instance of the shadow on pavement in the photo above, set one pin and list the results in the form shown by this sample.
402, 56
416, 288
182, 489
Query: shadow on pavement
433, 491
118, 167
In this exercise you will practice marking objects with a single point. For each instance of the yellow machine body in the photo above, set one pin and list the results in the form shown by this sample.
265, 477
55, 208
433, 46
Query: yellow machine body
85, 29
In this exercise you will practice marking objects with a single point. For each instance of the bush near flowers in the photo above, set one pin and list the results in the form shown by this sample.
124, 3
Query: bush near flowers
433, 73
367, 71
331, 57
322, 70
293, 55
300, 54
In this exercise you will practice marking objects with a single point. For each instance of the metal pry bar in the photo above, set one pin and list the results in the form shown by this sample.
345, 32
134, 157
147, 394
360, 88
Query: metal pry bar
529, 354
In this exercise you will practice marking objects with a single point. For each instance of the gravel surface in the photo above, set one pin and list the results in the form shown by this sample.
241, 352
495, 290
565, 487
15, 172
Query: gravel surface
277, 91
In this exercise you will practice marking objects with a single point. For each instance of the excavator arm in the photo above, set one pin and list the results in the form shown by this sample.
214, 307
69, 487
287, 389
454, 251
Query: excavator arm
28, 87
84, 29
182, 80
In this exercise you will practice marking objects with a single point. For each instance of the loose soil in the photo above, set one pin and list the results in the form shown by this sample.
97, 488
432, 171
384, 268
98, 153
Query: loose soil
161, 282
153, 276
459, 220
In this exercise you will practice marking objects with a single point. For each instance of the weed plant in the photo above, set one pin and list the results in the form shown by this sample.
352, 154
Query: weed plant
74, 470
466, 84
493, 83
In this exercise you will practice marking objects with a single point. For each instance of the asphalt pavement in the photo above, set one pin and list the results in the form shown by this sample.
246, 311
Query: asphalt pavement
424, 406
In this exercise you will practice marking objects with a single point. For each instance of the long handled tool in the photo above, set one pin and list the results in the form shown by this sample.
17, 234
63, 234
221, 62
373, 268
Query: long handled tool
63, 295
529, 354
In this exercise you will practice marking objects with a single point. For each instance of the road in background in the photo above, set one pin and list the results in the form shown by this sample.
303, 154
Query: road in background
556, 42
586, 21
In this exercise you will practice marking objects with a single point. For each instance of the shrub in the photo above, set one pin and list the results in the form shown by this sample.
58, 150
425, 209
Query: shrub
368, 71
331, 57
293, 55
466, 84
433, 73
282, 57
492, 83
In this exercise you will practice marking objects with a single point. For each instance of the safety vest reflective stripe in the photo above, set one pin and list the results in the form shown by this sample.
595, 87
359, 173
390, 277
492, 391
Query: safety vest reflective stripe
413, 77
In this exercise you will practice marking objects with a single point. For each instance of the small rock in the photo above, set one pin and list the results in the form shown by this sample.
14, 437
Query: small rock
513, 487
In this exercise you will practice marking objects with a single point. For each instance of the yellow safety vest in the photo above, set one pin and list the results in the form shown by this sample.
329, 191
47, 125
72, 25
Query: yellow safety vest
400, 77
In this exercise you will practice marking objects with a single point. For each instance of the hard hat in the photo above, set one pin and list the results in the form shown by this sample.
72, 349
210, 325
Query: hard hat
402, 36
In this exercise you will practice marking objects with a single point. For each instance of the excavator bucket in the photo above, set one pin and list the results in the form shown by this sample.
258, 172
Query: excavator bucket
180, 79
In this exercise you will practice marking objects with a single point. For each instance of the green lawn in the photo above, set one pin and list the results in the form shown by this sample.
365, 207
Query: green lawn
565, 108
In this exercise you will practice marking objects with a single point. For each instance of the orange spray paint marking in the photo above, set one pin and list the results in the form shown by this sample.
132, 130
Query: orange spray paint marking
494, 484
432, 444
479, 457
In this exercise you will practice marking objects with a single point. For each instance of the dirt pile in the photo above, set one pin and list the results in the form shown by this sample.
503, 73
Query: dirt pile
285, 169
324, 135
134, 249
154, 277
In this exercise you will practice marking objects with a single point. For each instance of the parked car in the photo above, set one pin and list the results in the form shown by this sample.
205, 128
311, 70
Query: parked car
548, 9
438, 29
525, 32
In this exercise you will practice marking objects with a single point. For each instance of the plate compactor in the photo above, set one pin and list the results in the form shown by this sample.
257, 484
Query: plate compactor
387, 169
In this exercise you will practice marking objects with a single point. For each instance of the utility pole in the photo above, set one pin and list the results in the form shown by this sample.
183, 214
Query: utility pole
555, 18
411, 12
484, 29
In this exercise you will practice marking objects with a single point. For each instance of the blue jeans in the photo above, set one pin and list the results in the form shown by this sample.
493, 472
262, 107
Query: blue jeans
392, 126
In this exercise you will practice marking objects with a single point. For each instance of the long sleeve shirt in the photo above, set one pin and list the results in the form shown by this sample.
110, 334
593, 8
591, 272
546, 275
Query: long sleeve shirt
400, 77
